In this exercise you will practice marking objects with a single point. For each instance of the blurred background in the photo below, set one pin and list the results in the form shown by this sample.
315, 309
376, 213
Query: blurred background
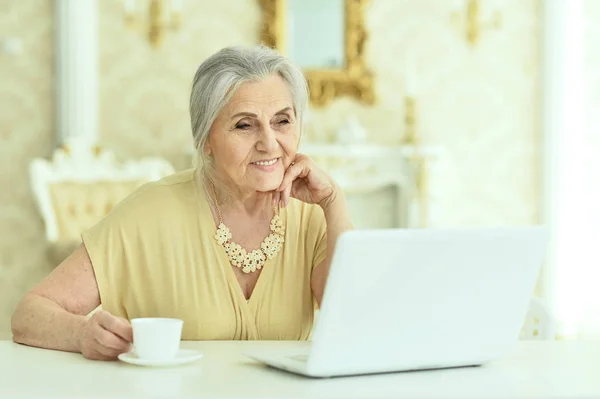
429, 113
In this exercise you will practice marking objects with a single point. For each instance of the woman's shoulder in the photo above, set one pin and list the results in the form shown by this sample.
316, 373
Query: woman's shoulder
166, 194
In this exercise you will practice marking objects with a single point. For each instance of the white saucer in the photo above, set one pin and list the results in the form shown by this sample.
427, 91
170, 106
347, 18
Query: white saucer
183, 356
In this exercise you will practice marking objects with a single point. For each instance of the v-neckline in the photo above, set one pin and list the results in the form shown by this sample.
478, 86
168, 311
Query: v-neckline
224, 260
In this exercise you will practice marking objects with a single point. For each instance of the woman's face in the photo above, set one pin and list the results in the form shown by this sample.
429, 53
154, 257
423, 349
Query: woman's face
255, 137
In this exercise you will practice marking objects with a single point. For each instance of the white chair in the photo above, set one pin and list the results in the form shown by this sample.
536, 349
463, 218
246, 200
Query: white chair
539, 322
80, 185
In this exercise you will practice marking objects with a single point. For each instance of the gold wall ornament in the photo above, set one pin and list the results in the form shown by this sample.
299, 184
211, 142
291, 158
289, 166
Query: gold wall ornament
96, 149
417, 160
162, 16
353, 79
471, 21
410, 122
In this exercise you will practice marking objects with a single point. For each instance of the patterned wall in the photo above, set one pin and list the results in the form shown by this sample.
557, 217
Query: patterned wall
26, 131
479, 105
145, 91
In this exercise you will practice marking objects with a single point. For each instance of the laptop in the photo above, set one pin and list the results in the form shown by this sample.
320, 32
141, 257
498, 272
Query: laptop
418, 299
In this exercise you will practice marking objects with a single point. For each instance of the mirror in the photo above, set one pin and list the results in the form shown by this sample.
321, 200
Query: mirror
326, 39
312, 22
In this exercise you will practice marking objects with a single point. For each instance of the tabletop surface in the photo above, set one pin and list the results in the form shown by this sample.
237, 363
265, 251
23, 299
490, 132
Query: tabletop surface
558, 369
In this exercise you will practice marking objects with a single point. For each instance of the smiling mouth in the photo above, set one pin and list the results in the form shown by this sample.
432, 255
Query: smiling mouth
266, 163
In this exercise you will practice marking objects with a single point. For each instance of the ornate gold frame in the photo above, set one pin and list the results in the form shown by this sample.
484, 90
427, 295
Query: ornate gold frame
324, 85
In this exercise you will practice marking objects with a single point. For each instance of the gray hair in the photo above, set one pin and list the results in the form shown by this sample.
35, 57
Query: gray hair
220, 76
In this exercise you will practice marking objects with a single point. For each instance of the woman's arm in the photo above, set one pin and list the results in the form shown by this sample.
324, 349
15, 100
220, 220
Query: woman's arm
305, 181
53, 314
338, 220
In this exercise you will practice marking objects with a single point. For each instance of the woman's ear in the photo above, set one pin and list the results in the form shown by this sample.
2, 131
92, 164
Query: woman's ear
207, 149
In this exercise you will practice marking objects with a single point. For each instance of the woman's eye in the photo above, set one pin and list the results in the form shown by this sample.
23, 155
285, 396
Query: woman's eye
284, 122
242, 126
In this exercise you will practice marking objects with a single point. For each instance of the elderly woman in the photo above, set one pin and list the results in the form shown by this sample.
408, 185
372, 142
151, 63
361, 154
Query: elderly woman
238, 247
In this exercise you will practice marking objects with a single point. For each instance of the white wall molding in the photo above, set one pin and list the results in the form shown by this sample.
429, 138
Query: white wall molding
570, 268
77, 69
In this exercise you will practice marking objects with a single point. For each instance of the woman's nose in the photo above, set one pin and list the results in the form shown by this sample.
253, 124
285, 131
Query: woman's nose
267, 141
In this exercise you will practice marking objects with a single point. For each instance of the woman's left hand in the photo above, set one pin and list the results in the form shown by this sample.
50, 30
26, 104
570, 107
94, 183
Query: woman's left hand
306, 182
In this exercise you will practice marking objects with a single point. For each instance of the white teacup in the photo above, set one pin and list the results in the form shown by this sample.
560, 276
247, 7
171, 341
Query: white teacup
156, 338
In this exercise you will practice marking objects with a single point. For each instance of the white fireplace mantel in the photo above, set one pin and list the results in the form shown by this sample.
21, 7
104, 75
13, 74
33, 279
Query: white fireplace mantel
361, 169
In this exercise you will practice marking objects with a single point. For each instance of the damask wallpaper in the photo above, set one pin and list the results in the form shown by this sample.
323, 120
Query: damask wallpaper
26, 131
144, 92
478, 105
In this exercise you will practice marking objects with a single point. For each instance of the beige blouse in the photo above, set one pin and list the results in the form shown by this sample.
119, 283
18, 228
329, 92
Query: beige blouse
155, 255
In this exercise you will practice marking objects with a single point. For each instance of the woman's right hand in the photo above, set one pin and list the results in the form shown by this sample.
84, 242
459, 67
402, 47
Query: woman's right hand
104, 336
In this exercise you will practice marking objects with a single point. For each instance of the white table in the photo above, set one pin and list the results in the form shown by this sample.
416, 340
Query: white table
536, 370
